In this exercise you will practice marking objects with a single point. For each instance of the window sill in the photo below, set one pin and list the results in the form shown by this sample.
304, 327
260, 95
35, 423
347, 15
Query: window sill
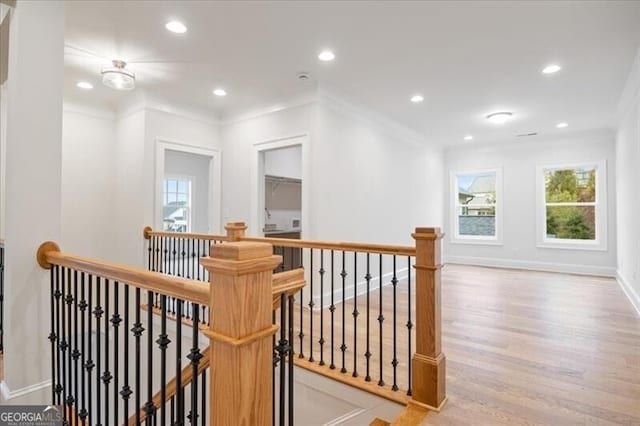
566, 245
474, 241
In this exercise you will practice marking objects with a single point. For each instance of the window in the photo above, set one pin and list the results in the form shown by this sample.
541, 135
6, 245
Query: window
177, 205
476, 206
572, 200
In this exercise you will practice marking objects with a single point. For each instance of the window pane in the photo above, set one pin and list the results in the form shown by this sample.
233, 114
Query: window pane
171, 198
570, 185
571, 223
477, 188
182, 198
183, 186
477, 221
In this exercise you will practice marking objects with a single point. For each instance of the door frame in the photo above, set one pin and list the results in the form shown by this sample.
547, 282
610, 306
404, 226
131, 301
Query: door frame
214, 155
256, 220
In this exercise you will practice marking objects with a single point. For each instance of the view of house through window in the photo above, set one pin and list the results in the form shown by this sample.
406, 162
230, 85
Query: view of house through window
476, 205
570, 203
176, 211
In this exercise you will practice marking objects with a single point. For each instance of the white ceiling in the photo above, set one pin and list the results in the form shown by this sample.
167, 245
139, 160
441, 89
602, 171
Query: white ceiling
467, 58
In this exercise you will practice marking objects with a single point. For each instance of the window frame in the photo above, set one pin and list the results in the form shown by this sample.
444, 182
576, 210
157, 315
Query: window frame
600, 204
191, 190
456, 238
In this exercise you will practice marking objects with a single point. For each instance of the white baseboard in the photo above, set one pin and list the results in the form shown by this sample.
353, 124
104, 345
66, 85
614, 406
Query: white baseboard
374, 283
631, 294
603, 271
8, 394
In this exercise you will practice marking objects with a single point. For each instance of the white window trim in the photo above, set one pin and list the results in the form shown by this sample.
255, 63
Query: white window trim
600, 243
192, 190
456, 238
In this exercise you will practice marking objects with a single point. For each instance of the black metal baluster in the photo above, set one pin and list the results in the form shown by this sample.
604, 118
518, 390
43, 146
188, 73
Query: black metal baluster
150, 253
163, 342
173, 410
189, 259
89, 365
290, 360
173, 257
52, 336
409, 324
311, 308
343, 347
158, 253
75, 354
179, 389
63, 344
301, 332
367, 354
126, 391
137, 331
150, 408
98, 314
321, 341
355, 314
59, 352
394, 282
83, 309
282, 350
106, 376
162, 251
69, 300
195, 356
198, 263
332, 309
182, 254
203, 379
153, 253
380, 320
116, 320
273, 370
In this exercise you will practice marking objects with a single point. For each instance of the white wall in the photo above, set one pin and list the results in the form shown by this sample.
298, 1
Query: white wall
519, 162
33, 188
285, 162
88, 176
628, 180
196, 167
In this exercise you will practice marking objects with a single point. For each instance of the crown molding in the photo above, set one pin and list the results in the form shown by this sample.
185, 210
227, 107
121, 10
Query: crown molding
342, 103
280, 105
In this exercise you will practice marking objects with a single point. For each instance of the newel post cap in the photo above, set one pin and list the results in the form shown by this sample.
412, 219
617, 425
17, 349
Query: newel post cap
241, 258
43, 250
235, 226
425, 233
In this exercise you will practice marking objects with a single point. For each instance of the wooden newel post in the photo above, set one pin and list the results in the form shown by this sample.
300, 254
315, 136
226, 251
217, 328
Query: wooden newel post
241, 350
235, 230
429, 366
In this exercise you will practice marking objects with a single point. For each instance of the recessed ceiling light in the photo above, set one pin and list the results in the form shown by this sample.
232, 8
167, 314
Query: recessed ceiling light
176, 27
551, 69
326, 55
562, 125
220, 92
468, 138
499, 117
417, 98
84, 85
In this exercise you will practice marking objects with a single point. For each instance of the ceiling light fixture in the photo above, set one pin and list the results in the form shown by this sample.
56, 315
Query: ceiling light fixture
562, 125
118, 77
84, 85
551, 69
417, 98
499, 117
176, 27
220, 92
468, 138
326, 56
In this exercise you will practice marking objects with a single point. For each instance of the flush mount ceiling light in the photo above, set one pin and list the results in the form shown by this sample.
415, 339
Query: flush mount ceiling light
84, 85
562, 125
220, 92
326, 56
499, 117
118, 77
551, 69
417, 98
468, 138
176, 27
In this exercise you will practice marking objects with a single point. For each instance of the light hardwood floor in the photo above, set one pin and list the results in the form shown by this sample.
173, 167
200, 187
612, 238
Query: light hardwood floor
526, 348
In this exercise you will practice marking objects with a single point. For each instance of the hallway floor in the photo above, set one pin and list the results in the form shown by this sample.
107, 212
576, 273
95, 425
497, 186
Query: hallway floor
528, 347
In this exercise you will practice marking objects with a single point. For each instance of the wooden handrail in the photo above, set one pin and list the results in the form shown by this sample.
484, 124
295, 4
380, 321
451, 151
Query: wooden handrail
148, 233
171, 388
49, 254
336, 245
